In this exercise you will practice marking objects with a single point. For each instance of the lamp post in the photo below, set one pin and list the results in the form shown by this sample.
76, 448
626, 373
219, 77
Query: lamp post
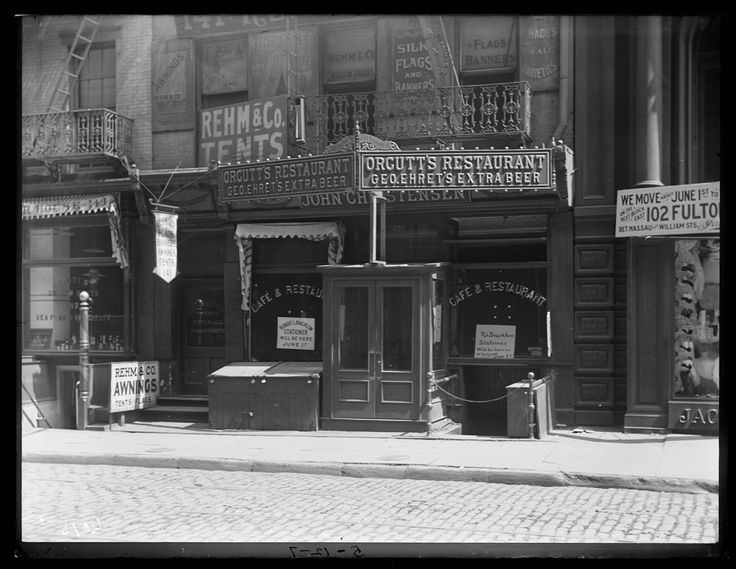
83, 402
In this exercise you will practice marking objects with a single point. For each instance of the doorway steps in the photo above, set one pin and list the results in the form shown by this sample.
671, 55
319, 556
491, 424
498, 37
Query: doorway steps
178, 409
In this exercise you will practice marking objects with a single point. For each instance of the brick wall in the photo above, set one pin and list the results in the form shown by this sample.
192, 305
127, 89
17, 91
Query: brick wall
44, 45
134, 83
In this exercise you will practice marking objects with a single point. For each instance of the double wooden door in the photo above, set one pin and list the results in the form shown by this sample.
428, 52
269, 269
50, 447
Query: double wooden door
374, 361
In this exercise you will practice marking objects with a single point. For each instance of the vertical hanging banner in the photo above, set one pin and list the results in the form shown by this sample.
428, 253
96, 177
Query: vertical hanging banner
165, 224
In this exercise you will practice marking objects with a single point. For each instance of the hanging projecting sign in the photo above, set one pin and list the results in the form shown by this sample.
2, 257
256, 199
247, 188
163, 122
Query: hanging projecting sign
285, 178
669, 210
249, 131
165, 226
457, 170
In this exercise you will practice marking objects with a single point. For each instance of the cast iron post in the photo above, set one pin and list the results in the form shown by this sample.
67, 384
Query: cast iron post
83, 402
530, 395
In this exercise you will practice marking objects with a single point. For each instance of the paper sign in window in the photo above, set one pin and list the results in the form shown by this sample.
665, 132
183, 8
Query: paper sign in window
492, 341
295, 333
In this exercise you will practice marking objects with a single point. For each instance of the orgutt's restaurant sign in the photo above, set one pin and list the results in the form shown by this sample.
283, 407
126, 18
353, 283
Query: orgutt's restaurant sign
286, 178
437, 170
456, 170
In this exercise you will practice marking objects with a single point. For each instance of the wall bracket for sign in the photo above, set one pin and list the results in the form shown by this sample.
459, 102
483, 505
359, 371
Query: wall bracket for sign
162, 207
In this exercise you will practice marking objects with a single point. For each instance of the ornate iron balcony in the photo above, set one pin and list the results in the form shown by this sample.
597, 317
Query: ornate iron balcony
447, 113
76, 135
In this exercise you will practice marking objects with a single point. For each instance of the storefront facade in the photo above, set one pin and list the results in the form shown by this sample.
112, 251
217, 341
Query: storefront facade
647, 218
431, 145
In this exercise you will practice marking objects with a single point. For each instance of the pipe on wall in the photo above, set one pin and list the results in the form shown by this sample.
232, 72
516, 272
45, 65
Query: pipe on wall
564, 101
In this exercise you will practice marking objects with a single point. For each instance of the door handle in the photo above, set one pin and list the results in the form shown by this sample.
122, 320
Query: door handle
371, 365
378, 365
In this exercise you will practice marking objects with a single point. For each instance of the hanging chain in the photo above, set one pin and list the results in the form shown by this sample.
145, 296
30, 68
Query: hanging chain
544, 379
437, 385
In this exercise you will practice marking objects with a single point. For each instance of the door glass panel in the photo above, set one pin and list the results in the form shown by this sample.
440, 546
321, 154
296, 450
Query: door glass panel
352, 327
438, 319
397, 321
205, 317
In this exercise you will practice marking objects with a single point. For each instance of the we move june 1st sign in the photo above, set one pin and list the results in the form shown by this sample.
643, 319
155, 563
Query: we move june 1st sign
669, 210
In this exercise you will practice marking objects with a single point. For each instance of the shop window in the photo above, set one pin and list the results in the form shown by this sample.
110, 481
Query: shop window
498, 313
286, 316
97, 82
412, 243
349, 79
224, 99
697, 318
498, 239
289, 251
59, 263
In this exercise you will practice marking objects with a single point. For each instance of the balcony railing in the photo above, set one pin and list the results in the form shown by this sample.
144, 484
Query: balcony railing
76, 135
457, 112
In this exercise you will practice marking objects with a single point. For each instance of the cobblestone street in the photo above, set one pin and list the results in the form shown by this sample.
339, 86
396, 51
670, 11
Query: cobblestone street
100, 503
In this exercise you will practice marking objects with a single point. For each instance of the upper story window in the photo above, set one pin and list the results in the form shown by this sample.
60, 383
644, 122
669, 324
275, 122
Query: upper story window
97, 82
349, 59
488, 49
224, 72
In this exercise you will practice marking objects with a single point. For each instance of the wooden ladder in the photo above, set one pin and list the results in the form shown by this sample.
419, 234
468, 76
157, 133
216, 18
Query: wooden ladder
73, 64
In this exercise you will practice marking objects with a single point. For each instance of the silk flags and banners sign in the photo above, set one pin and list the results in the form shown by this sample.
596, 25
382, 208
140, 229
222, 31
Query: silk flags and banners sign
165, 225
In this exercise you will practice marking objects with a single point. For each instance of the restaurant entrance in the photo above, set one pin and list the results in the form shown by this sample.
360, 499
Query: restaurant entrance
383, 343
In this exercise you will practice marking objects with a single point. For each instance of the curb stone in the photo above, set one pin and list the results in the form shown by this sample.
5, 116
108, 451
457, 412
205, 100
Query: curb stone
397, 471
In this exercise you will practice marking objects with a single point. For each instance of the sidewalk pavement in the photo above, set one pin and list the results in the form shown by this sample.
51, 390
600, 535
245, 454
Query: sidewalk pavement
590, 456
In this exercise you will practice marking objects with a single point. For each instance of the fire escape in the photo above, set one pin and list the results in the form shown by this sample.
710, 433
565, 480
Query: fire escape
64, 136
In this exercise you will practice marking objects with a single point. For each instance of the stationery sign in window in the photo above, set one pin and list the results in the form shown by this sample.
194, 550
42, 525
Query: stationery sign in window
133, 385
295, 333
669, 210
494, 341
165, 245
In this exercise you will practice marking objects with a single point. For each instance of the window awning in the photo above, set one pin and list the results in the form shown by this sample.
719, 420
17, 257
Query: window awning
53, 206
80, 204
246, 232
312, 231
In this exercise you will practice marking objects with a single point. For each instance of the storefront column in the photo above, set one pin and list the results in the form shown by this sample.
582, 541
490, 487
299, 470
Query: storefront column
649, 101
649, 332
648, 307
